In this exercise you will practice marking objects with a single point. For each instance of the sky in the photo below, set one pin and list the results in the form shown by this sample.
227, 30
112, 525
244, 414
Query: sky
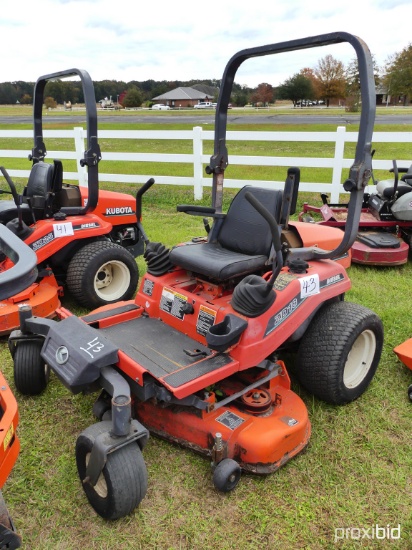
164, 40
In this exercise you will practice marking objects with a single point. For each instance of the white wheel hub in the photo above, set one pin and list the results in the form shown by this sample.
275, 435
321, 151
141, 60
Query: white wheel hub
111, 280
359, 359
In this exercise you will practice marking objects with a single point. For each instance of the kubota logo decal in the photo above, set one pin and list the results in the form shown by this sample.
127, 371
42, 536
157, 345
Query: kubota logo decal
119, 211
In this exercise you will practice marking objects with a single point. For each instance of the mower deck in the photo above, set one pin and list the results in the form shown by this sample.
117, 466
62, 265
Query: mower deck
379, 242
42, 296
262, 422
396, 253
404, 352
262, 430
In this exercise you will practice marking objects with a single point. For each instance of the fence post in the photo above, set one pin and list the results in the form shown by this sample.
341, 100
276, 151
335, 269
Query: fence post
197, 162
338, 164
79, 138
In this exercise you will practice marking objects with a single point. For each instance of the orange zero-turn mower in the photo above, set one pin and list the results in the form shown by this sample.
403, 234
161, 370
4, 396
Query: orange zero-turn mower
195, 358
19, 276
404, 353
85, 239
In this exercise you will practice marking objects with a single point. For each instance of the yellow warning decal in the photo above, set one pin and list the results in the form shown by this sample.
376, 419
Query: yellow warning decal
8, 437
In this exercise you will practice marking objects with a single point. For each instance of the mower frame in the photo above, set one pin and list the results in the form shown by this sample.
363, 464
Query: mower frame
199, 362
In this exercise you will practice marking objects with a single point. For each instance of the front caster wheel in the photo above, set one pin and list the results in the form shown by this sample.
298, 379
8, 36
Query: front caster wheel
122, 484
340, 352
226, 475
410, 392
31, 374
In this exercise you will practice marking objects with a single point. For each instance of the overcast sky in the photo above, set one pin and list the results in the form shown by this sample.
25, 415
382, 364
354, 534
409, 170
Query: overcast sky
165, 40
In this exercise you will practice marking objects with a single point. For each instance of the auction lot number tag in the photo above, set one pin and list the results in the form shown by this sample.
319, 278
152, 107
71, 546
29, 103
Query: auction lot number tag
309, 285
62, 229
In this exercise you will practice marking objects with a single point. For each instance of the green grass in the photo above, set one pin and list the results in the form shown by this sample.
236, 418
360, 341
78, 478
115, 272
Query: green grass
356, 471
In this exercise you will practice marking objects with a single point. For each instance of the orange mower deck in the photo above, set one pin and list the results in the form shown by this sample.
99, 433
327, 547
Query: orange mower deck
404, 353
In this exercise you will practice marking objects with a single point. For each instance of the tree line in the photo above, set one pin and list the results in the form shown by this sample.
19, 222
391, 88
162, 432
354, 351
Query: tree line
329, 80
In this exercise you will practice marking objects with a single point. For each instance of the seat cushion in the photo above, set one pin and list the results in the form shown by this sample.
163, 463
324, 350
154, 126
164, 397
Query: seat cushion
214, 261
385, 188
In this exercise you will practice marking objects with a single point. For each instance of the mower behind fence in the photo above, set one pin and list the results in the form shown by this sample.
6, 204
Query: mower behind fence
385, 228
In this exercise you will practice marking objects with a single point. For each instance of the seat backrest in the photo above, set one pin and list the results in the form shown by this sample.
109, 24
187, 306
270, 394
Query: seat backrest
40, 180
244, 230
57, 182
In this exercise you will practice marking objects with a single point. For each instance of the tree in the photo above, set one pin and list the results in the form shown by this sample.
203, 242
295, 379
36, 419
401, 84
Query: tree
353, 88
240, 97
26, 99
56, 90
133, 97
296, 88
398, 78
310, 75
264, 93
331, 76
8, 94
50, 103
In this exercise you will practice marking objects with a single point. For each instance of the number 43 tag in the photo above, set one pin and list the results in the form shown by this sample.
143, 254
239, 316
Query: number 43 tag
309, 285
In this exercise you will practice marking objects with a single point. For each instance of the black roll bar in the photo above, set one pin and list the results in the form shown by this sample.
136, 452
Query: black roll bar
359, 173
92, 155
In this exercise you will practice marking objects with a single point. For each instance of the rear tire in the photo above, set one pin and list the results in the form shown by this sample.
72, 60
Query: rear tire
339, 353
122, 484
102, 273
31, 374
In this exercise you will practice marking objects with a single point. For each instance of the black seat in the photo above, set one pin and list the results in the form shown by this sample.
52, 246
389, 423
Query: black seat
243, 244
44, 181
39, 188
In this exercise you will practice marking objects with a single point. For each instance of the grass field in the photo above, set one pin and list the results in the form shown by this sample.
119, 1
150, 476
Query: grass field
355, 473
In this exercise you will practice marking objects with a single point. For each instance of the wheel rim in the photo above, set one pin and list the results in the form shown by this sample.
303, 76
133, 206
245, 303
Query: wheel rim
101, 485
111, 281
359, 359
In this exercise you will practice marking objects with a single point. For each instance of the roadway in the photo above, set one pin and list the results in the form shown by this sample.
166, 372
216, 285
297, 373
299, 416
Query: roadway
206, 118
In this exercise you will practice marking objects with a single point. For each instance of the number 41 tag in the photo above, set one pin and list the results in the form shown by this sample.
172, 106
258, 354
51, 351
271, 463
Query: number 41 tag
309, 285
62, 229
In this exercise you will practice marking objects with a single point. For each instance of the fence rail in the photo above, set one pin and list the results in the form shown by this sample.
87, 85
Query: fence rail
338, 163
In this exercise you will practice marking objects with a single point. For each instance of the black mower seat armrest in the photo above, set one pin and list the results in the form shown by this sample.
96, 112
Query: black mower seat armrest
401, 170
196, 210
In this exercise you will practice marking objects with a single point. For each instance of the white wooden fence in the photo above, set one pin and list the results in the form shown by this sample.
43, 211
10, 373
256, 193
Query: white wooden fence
338, 163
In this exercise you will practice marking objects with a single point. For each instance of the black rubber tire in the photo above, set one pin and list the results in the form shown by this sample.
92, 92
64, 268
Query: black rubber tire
31, 374
324, 364
410, 392
123, 482
226, 475
104, 260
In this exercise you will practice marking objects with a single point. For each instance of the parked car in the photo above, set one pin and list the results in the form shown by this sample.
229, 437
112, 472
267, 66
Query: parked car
160, 107
204, 105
